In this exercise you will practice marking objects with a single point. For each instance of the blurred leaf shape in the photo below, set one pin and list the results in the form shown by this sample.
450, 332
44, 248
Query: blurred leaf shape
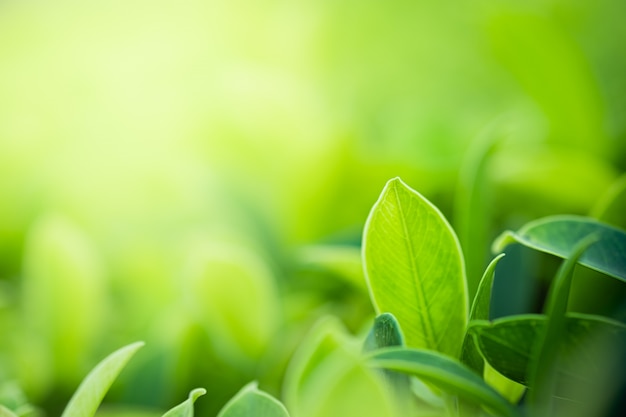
443, 372
326, 377
342, 261
185, 409
232, 292
5, 412
94, 387
414, 269
508, 343
611, 207
63, 294
559, 235
251, 401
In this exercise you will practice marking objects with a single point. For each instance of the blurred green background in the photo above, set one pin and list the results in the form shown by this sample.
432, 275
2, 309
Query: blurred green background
197, 174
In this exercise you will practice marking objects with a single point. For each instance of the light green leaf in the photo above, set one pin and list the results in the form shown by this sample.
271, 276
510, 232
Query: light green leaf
321, 341
250, 401
327, 378
509, 389
414, 269
185, 409
444, 372
92, 390
559, 235
480, 311
507, 343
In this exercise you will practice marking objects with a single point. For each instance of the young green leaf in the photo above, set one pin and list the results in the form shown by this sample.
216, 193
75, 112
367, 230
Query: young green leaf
385, 332
185, 409
507, 343
414, 269
250, 401
559, 235
444, 372
92, 390
541, 375
480, 311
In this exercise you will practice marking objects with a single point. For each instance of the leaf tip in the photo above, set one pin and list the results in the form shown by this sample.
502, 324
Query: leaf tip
196, 393
505, 239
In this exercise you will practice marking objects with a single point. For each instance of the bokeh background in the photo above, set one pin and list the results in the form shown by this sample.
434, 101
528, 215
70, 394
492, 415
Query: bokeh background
197, 174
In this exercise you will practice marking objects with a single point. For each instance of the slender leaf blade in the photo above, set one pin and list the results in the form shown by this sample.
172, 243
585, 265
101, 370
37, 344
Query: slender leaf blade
185, 409
251, 401
559, 235
444, 372
92, 390
541, 373
414, 269
470, 355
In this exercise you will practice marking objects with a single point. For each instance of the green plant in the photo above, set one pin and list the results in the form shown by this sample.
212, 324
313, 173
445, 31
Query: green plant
429, 352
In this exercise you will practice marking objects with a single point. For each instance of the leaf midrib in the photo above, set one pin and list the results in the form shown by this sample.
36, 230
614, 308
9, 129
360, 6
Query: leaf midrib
419, 290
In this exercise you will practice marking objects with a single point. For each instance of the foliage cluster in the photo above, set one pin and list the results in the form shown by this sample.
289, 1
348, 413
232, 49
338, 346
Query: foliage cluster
436, 357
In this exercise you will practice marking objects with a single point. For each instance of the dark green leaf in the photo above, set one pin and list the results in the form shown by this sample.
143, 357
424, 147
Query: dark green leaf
542, 377
559, 235
507, 343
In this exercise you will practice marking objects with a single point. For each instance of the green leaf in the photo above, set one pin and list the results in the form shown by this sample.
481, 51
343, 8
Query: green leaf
480, 311
542, 377
443, 372
507, 343
559, 235
414, 269
250, 401
92, 390
384, 333
185, 409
